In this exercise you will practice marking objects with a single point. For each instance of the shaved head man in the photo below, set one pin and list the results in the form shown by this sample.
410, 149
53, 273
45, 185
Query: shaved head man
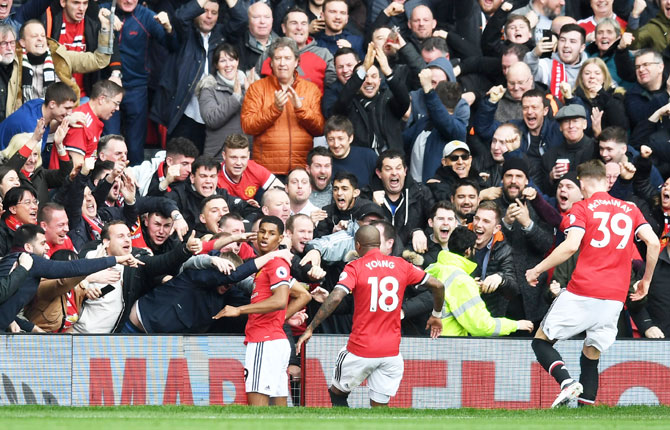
367, 237
519, 79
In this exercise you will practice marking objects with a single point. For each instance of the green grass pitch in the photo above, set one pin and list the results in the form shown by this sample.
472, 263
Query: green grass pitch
246, 418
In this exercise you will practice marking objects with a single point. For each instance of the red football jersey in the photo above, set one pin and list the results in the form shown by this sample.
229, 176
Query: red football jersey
264, 327
82, 140
255, 177
378, 284
605, 254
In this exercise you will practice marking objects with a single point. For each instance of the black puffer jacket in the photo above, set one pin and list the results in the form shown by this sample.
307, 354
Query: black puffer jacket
501, 262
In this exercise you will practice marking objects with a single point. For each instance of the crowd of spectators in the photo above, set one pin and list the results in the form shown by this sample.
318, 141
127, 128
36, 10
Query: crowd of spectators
412, 116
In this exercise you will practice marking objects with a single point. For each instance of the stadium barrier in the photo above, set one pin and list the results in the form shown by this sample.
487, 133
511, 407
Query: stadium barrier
209, 370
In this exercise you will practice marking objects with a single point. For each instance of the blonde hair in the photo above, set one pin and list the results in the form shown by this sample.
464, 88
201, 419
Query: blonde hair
607, 77
19, 141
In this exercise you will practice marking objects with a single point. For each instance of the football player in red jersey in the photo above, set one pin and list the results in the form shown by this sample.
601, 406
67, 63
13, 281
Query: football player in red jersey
268, 349
603, 229
378, 284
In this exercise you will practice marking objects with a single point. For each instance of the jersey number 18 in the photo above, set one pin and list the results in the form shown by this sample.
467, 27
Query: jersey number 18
381, 292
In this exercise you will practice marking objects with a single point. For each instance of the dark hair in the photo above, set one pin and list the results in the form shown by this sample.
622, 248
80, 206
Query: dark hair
64, 255
517, 49
323, 6
226, 48
535, 92
4, 169
389, 154
343, 175
466, 182
47, 209
13, 197
449, 93
517, 17
181, 146
389, 229
567, 28
461, 239
594, 169
318, 150
99, 167
60, 93
291, 220
338, 123
208, 199
104, 233
107, 88
236, 141
25, 234
292, 10
490, 205
205, 161
613, 133
435, 43
271, 219
345, 51
104, 141
442, 204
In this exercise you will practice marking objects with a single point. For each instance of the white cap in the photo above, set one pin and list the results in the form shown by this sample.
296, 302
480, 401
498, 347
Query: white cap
454, 145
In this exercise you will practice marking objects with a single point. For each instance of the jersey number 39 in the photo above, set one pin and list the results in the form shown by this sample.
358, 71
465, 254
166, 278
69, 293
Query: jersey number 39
383, 293
620, 225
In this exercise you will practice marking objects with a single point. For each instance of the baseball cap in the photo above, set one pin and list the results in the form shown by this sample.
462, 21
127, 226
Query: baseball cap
369, 209
454, 145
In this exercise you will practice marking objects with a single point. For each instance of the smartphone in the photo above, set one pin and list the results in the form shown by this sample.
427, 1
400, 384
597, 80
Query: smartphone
106, 289
547, 34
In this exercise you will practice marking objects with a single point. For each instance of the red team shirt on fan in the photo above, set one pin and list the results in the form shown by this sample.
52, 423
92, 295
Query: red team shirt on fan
255, 177
265, 327
604, 263
83, 140
378, 284
72, 37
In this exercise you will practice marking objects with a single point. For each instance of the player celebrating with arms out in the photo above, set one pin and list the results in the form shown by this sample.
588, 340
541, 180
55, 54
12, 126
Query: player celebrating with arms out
603, 229
378, 284
268, 349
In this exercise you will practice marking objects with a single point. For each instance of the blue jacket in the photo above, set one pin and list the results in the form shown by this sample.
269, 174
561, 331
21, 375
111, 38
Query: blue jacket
23, 120
187, 302
330, 42
139, 27
32, 9
43, 268
185, 67
448, 127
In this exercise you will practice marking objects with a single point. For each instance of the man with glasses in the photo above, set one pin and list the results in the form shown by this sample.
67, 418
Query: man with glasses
81, 142
649, 92
7, 57
20, 207
576, 148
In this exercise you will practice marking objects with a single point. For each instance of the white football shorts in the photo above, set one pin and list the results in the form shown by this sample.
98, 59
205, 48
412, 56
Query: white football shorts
383, 374
571, 315
265, 367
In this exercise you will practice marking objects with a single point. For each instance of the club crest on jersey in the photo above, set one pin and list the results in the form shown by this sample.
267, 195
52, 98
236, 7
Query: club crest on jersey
572, 219
281, 272
343, 276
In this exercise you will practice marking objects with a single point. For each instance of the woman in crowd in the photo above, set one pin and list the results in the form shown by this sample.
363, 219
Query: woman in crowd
220, 95
24, 156
597, 92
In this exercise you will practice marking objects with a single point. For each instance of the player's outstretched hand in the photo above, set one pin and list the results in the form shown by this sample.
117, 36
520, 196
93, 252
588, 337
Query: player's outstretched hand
531, 277
640, 291
26, 260
228, 311
305, 336
435, 326
524, 325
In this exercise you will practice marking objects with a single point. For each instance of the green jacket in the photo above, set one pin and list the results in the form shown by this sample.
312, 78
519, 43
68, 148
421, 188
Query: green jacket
464, 312
655, 34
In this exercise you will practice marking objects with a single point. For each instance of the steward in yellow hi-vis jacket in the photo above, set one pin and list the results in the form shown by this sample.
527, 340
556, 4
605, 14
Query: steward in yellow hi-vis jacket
464, 312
